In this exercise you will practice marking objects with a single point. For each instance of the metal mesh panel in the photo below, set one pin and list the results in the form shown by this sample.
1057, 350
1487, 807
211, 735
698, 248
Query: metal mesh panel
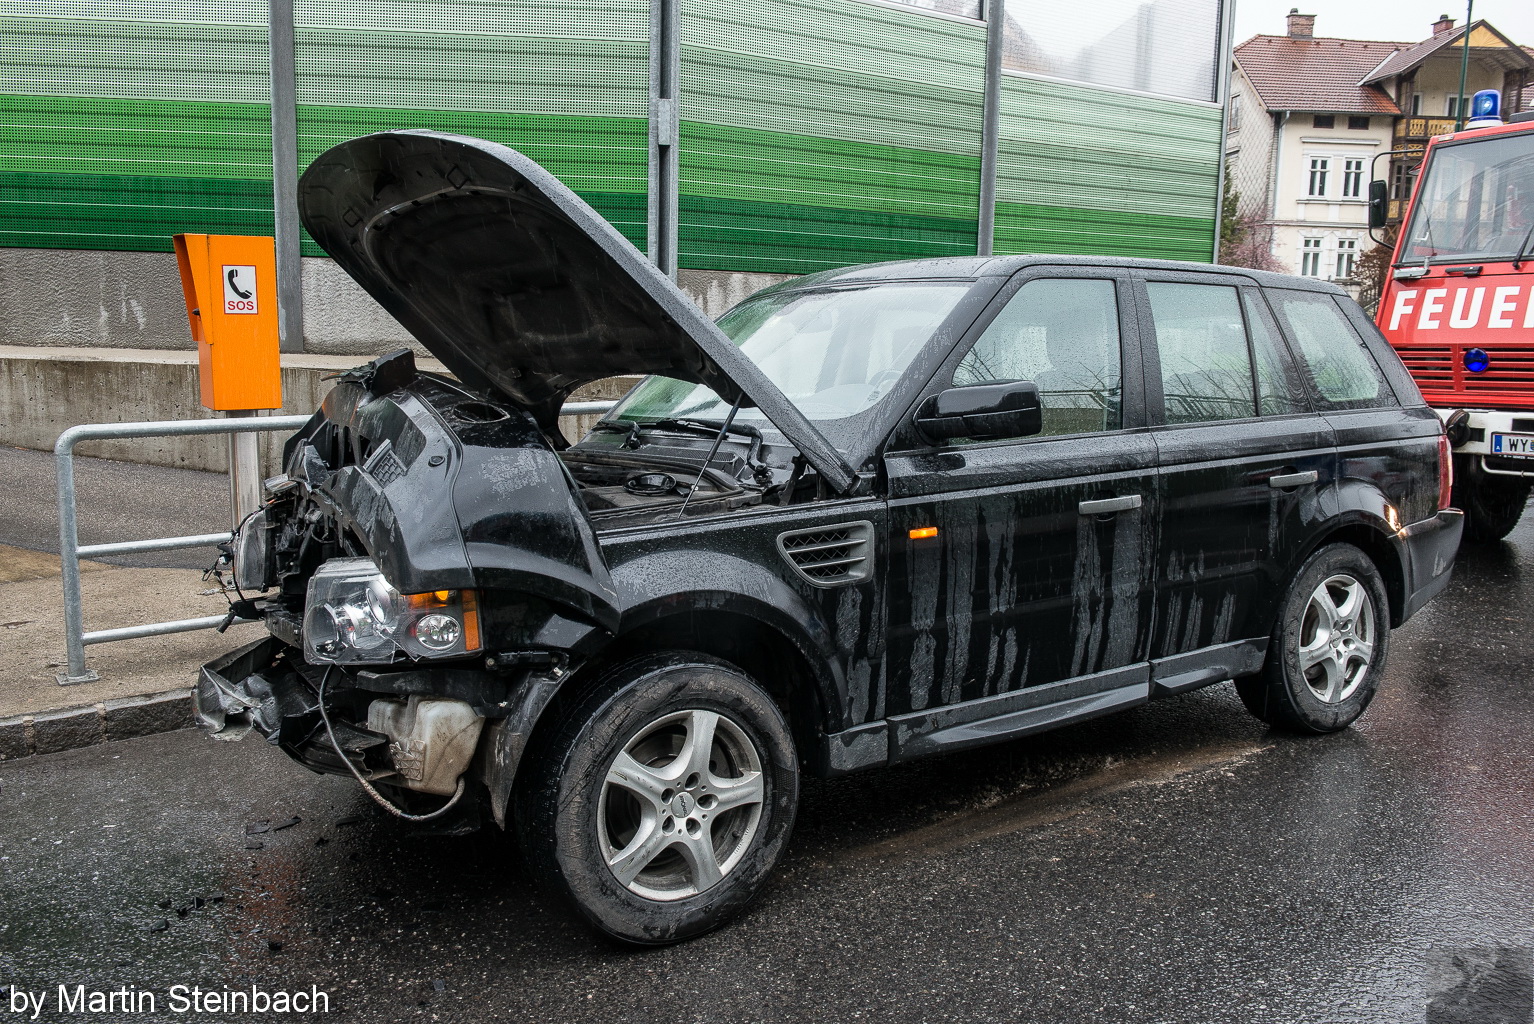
123, 123
1167, 47
817, 133
1139, 180
564, 82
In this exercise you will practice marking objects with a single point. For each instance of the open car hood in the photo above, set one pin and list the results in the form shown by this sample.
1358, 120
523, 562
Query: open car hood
516, 284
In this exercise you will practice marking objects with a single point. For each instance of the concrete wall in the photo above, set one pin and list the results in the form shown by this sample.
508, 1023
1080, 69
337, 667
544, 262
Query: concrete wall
44, 391
102, 337
86, 299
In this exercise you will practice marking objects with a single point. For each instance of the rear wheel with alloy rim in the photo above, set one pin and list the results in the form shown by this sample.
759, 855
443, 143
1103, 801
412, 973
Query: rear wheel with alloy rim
1328, 648
664, 799
1493, 504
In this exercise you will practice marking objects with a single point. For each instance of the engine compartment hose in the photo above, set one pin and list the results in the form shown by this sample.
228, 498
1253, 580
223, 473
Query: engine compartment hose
378, 797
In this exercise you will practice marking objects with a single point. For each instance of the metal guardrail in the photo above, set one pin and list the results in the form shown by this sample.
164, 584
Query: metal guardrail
76, 639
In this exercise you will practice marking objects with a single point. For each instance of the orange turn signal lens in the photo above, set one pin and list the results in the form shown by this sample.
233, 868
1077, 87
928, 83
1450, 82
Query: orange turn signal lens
923, 532
470, 621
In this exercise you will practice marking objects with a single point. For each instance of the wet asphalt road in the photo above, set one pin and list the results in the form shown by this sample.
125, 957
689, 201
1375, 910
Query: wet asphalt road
1178, 862
114, 501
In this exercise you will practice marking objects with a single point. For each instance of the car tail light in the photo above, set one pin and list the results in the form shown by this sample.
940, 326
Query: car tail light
1445, 472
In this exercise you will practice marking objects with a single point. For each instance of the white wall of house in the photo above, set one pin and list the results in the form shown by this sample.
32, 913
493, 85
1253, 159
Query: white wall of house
1321, 195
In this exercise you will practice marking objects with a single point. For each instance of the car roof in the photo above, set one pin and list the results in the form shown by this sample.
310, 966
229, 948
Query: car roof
970, 267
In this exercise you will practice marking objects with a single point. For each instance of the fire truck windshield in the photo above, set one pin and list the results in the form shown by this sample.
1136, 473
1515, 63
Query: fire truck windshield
1476, 202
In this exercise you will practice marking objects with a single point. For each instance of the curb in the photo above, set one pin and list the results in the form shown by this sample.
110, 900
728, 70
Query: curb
118, 719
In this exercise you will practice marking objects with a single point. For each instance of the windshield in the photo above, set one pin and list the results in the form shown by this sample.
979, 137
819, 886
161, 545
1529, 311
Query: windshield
1476, 203
834, 352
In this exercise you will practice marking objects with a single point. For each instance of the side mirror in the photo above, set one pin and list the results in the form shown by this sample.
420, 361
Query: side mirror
984, 412
1379, 204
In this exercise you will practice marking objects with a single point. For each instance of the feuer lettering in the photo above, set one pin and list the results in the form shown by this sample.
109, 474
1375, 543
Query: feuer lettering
1432, 305
1503, 304
1458, 318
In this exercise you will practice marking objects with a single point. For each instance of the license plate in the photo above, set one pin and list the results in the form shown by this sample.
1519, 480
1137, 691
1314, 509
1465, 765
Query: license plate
1512, 444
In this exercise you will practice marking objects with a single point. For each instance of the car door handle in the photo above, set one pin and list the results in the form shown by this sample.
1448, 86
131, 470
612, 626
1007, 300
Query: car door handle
1107, 506
1283, 481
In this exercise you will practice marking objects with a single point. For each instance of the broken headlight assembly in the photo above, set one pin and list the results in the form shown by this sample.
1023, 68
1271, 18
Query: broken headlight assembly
352, 616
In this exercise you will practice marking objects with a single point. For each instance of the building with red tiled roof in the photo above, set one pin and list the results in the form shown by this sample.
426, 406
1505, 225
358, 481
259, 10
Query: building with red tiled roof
1312, 120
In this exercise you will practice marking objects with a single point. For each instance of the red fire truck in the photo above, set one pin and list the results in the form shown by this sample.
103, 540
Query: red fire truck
1459, 307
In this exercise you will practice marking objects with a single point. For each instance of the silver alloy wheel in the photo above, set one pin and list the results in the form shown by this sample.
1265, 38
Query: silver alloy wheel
1337, 638
680, 805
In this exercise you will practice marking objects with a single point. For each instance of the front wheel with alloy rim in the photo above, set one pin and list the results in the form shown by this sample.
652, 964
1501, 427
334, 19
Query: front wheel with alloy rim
1328, 648
664, 799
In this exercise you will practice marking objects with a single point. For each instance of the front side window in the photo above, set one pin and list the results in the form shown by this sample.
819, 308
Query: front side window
833, 352
1353, 178
1310, 257
1316, 184
1476, 201
1206, 366
1342, 372
1062, 334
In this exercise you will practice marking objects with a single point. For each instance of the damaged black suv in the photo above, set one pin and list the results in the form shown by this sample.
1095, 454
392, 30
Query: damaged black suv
869, 515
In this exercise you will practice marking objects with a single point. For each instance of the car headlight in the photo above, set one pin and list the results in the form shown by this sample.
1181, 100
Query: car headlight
353, 616
252, 559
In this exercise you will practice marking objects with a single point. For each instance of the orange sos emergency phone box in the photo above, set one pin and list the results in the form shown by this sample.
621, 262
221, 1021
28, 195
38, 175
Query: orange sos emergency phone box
230, 286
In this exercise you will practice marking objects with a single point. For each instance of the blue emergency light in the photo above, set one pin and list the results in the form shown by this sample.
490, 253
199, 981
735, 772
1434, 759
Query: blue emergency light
1477, 360
1485, 109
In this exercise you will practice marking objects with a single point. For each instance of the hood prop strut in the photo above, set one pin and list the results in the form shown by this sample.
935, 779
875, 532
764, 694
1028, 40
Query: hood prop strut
724, 428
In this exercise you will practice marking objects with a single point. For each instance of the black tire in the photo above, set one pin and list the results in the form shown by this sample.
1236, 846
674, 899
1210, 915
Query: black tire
1338, 686
573, 816
1492, 504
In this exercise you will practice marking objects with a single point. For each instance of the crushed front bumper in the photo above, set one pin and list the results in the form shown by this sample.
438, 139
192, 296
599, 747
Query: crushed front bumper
264, 686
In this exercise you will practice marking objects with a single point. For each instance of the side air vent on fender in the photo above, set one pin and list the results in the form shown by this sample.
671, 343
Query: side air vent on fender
829, 556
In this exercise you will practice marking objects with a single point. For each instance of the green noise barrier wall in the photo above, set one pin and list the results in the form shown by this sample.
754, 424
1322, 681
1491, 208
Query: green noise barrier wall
565, 82
121, 125
813, 134
817, 133
1139, 178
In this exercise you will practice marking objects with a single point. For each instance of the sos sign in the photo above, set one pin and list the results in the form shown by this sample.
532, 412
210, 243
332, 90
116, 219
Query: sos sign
239, 289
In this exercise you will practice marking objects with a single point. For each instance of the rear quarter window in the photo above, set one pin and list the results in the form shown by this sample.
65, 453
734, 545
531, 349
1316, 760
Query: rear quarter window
1338, 366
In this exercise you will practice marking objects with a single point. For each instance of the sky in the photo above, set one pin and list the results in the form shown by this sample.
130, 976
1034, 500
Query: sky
1398, 20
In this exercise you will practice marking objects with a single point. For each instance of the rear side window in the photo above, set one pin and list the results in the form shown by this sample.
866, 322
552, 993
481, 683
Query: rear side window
1206, 366
1279, 391
1062, 334
1342, 373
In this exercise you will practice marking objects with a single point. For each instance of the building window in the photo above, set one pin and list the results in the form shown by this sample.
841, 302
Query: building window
1319, 165
1324, 121
1310, 257
1453, 107
1233, 124
1416, 104
1347, 256
1353, 178
1358, 124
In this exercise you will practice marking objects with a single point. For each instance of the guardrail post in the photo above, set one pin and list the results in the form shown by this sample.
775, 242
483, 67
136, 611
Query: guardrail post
69, 567
244, 475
